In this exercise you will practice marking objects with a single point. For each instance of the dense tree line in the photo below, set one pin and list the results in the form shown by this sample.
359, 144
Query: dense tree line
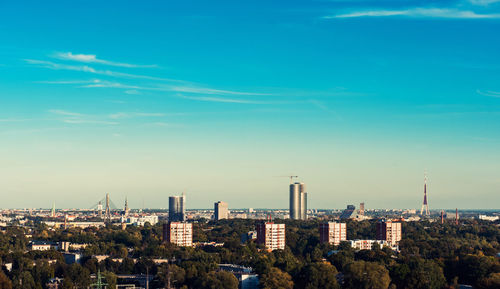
432, 255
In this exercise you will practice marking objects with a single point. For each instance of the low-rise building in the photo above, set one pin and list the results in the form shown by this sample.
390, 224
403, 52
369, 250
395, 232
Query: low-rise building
41, 245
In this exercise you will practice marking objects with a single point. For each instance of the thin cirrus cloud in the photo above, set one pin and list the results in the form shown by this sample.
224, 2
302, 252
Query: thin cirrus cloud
488, 93
222, 99
79, 118
89, 69
416, 13
92, 58
133, 89
120, 115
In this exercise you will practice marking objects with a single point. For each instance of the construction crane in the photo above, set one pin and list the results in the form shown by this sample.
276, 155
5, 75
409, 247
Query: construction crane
291, 177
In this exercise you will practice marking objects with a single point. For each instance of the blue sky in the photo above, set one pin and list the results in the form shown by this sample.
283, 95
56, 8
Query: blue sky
147, 99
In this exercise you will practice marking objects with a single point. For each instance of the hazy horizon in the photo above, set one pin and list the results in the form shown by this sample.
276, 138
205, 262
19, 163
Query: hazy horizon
149, 99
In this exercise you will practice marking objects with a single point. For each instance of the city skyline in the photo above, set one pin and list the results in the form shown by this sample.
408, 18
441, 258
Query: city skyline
147, 101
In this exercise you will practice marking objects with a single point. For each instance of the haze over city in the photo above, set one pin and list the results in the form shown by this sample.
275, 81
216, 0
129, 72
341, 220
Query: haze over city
358, 99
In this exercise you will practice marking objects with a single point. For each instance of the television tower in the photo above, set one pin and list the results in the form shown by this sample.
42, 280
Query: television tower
425, 205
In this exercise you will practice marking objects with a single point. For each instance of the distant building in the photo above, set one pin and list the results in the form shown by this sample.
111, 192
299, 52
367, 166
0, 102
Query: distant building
362, 209
178, 233
488, 218
71, 258
177, 208
220, 210
298, 201
251, 235
349, 212
41, 246
389, 231
332, 233
245, 275
140, 221
367, 244
81, 225
271, 235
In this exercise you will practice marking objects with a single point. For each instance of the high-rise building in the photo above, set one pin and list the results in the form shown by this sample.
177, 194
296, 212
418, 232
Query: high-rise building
332, 233
362, 209
220, 210
389, 231
271, 235
178, 233
176, 208
298, 201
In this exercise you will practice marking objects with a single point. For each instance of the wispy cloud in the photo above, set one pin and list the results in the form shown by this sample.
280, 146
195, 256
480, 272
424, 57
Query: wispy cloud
416, 13
222, 99
14, 119
483, 2
205, 90
65, 112
188, 87
92, 58
134, 89
119, 115
88, 69
79, 118
71, 81
488, 93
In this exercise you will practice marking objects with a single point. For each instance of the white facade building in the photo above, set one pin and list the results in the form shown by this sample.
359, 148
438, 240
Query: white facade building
271, 235
332, 233
178, 233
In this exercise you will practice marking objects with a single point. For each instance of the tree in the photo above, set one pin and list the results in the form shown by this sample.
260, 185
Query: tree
276, 279
67, 283
25, 281
366, 275
5, 282
490, 282
110, 278
220, 279
422, 274
318, 275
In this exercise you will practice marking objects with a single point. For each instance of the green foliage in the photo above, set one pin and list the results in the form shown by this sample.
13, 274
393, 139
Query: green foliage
366, 275
276, 279
418, 274
5, 282
319, 275
433, 255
